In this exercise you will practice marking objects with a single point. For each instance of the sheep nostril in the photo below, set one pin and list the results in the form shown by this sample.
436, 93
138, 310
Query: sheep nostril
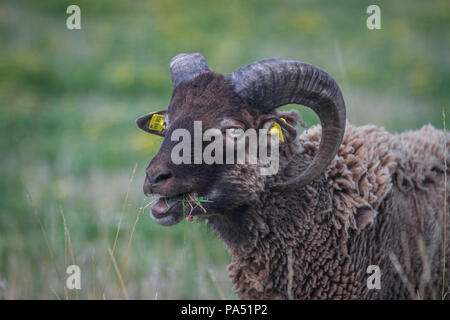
147, 188
161, 176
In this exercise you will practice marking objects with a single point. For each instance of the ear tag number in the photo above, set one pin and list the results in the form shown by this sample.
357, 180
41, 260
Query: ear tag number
157, 122
276, 130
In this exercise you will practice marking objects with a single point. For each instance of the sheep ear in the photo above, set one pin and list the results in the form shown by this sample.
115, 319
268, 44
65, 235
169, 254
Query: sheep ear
153, 123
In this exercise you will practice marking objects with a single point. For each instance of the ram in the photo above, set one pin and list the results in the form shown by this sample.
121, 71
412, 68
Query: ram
344, 197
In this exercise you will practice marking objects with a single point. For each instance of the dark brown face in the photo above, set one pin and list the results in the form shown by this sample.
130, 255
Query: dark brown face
190, 189
245, 99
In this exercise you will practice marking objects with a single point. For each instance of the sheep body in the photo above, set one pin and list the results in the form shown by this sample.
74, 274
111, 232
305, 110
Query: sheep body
380, 202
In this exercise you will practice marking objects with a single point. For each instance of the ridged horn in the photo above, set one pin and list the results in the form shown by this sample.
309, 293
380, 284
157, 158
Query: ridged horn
187, 66
271, 83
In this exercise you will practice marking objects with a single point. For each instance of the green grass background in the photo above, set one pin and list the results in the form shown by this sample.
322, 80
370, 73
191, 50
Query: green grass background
69, 98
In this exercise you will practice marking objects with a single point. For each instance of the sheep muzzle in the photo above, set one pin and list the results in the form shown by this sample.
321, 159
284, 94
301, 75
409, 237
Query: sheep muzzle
166, 211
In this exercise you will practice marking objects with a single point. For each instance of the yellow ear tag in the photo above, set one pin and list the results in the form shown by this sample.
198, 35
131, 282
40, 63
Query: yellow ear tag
157, 122
276, 130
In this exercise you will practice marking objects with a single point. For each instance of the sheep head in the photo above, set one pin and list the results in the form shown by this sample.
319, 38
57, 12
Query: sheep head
232, 104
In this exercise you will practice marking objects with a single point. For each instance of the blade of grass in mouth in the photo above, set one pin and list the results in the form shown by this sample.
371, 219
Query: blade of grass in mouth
167, 204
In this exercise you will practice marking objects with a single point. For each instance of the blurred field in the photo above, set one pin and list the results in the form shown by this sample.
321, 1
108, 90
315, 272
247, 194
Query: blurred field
68, 101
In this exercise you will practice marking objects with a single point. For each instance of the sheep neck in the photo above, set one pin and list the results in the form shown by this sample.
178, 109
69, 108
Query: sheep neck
281, 232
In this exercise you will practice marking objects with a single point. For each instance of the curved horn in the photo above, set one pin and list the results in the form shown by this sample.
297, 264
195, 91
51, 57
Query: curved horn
187, 66
271, 83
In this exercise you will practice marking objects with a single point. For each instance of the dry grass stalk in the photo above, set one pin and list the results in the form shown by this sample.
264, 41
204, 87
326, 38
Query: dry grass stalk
69, 242
44, 233
118, 229
119, 275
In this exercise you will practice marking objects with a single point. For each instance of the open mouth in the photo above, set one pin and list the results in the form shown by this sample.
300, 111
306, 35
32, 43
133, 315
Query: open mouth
168, 211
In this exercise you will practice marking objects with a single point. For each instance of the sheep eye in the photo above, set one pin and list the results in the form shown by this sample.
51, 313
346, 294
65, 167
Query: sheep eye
235, 132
